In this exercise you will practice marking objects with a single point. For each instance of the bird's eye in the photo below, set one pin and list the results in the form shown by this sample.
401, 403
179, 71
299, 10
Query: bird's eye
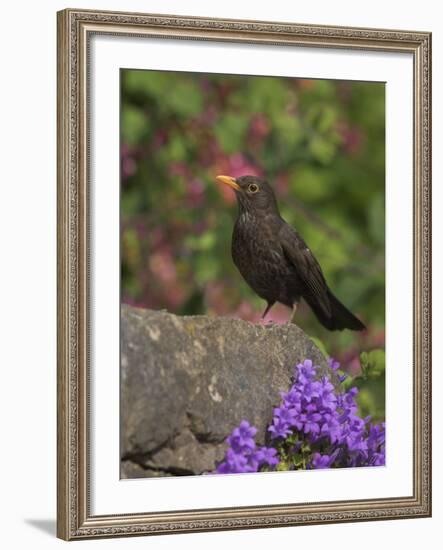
253, 188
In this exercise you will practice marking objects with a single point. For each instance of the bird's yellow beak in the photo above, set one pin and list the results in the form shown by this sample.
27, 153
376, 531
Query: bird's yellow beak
227, 180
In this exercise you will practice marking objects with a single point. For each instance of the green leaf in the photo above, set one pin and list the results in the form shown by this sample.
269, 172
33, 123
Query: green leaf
134, 125
288, 130
231, 131
373, 363
282, 466
184, 98
320, 345
322, 149
205, 271
176, 149
376, 215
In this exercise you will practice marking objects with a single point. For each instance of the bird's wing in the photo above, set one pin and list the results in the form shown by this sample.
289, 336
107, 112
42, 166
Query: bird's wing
307, 268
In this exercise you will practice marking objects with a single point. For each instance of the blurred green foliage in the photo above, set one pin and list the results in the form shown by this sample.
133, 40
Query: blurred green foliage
371, 385
320, 143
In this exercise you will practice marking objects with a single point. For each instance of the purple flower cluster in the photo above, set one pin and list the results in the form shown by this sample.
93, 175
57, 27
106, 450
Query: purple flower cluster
327, 422
316, 426
243, 455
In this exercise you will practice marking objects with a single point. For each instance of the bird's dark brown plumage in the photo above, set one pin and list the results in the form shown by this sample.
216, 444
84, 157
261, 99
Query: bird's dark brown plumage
274, 259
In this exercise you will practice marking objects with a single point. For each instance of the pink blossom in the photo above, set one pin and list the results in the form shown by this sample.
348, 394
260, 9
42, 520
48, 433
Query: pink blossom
178, 169
175, 296
215, 298
259, 128
354, 366
352, 138
162, 265
279, 314
239, 165
160, 138
227, 193
281, 184
246, 312
128, 164
157, 236
195, 191
206, 117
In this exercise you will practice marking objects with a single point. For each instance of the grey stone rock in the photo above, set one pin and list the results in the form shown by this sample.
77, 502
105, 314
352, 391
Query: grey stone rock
186, 382
132, 470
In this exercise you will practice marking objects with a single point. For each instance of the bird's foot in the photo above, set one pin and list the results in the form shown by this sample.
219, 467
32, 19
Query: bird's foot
291, 318
267, 324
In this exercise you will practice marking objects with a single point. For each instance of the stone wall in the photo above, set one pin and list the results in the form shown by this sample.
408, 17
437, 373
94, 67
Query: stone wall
186, 382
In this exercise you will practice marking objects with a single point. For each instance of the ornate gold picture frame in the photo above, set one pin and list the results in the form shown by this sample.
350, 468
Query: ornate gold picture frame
75, 30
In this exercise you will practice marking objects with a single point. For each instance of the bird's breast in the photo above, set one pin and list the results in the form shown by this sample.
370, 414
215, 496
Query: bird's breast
258, 255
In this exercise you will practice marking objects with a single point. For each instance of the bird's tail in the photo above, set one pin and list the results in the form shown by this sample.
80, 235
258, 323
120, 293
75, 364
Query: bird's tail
340, 317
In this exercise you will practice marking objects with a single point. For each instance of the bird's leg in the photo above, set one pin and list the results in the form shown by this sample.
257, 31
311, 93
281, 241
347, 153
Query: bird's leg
266, 311
294, 309
268, 307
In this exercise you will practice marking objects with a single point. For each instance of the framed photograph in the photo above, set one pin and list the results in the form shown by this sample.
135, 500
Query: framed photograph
244, 249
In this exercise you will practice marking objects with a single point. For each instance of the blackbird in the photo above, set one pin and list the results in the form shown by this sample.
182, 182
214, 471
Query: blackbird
274, 259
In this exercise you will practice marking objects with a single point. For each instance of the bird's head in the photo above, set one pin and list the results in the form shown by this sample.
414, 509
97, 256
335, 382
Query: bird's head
253, 194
